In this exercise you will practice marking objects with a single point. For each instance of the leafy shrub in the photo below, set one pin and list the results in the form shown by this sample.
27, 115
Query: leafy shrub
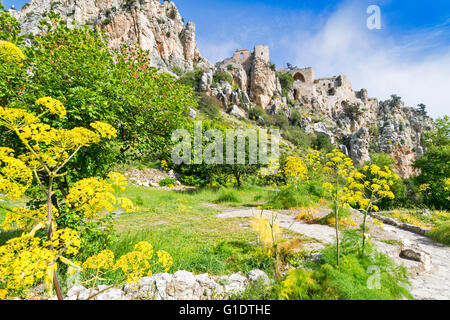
298, 136
168, 182
191, 78
76, 66
293, 197
228, 195
372, 277
286, 81
177, 70
222, 76
322, 142
209, 105
352, 111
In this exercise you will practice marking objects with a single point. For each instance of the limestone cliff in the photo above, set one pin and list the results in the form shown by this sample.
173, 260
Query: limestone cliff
158, 27
358, 124
330, 106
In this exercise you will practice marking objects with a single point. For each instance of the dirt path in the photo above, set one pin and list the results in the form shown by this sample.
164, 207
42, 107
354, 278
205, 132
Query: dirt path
429, 283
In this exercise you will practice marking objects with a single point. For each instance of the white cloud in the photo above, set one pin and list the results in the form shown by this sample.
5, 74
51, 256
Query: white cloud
415, 67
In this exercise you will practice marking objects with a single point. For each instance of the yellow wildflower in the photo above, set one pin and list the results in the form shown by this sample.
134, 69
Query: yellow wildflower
105, 130
9, 52
54, 106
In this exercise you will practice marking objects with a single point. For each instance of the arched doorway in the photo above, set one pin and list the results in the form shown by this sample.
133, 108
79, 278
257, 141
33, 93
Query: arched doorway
299, 77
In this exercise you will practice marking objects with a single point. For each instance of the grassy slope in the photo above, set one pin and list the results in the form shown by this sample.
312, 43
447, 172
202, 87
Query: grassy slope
180, 223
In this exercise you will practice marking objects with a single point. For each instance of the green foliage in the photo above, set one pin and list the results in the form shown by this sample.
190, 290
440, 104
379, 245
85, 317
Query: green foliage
286, 81
191, 78
257, 290
422, 109
441, 234
255, 113
9, 27
396, 98
209, 105
354, 279
293, 196
295, 117
322, 142
435, 164
220, 76
352, 111
281, 120
76, 66
177, 70
168, 182
299, 137
228, 195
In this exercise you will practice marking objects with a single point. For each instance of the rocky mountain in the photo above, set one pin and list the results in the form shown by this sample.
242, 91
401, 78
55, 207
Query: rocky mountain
329, 106
158, 27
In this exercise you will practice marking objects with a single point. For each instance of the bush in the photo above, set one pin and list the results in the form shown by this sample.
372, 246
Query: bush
168, 182
322, 142
222, 76
292, 196
298, 136
191, 78
371, 277
209, 105
228, 195
286, 81
76, 66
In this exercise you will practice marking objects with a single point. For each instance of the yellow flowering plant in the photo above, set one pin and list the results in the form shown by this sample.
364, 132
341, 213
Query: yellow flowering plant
313, 161
368, 187
295, 170
339, 167
270, 235
133, 265
35, 256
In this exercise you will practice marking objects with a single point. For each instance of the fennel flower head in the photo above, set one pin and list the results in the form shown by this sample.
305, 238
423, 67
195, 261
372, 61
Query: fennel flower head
11, 53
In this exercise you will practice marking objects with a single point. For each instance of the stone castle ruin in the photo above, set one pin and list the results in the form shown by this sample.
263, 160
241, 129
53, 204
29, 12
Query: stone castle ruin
327, 106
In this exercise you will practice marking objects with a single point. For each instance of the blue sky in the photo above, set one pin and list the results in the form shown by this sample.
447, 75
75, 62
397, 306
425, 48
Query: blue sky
409, 56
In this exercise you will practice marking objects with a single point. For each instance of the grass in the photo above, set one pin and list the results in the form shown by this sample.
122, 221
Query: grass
416, 217
228, 195
185, 225
441, 233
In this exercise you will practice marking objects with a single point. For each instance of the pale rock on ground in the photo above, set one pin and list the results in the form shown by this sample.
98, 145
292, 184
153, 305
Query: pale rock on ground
182, 285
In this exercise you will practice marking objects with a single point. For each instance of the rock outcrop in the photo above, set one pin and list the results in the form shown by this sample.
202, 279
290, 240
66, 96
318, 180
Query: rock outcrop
157, 27
350, 119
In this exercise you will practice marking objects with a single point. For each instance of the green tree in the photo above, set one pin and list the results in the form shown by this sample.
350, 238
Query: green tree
76, 66
9, 27
422, 109
434, 165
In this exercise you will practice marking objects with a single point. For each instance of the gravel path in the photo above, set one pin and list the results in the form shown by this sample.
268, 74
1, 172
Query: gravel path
433, 283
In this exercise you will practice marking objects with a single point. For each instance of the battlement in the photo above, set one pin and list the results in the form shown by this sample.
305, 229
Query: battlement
260, 51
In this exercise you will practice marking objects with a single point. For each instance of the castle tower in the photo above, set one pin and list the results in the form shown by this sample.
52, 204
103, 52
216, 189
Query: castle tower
262, 52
